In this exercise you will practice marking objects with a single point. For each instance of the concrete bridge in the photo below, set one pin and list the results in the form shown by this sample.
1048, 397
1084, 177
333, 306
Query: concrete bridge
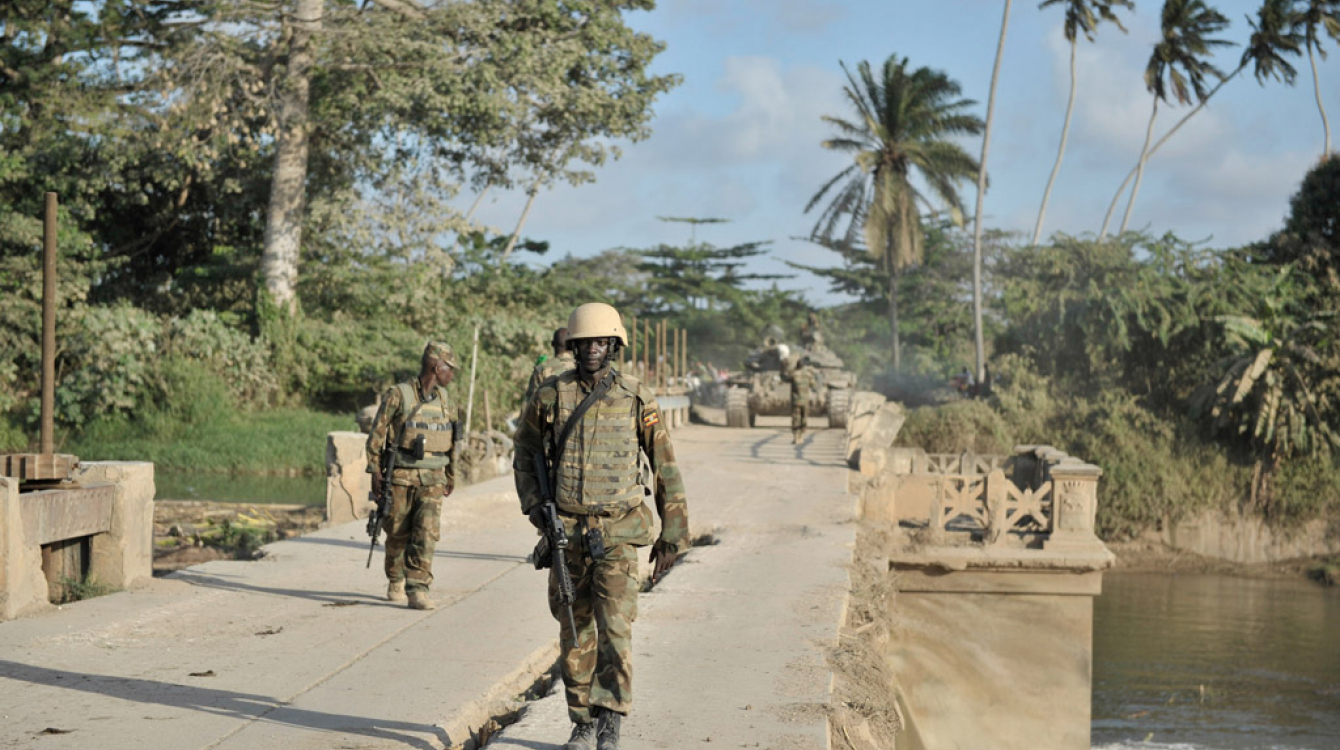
734, 648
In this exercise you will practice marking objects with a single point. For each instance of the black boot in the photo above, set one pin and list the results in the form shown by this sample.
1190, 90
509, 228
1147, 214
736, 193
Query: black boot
607, 730
583, 737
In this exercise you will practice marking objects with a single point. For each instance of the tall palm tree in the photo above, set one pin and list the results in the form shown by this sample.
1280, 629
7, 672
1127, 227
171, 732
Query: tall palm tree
1274, 34
1080, 16
1186, 42
1317, 15
904, 121
978, 346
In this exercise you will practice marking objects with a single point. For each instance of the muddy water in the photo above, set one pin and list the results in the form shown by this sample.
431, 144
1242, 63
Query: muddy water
1209, 662
239, 488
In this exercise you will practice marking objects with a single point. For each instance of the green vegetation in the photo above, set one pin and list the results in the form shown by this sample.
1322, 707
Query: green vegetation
251, 251
79, 589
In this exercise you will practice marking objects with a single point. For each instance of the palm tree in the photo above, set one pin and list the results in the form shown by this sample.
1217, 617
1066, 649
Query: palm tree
978, 345
1186, 25
1274, 34
1320, 14
1080, 16
905, 119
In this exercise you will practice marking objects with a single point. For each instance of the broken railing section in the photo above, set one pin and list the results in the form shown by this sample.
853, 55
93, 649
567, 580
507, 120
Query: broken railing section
1039, 496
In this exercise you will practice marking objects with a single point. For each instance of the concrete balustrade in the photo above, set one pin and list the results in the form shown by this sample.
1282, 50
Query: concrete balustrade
101, 526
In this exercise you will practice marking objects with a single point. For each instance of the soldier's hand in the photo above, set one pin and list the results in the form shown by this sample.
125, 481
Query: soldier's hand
662, 557
376, 486
536, 516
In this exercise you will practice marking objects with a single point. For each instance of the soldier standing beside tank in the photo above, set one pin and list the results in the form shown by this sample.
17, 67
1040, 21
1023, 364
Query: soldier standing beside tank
417, 422
600, 502
802, 382
549, 366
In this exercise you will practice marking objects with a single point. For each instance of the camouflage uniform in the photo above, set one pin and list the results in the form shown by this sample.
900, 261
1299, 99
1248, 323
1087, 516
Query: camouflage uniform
413, 522
802, 382
597, 485
546, 368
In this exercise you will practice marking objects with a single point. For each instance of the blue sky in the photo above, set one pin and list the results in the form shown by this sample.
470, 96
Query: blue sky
740, 138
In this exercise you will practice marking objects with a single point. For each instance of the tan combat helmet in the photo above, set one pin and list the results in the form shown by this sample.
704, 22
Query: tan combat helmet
594, 320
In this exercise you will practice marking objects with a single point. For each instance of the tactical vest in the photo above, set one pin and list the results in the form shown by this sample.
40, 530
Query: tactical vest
428, 423
599, 471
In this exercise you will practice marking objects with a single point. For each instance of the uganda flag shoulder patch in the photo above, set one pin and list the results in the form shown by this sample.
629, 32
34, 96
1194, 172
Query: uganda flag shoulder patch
651, 419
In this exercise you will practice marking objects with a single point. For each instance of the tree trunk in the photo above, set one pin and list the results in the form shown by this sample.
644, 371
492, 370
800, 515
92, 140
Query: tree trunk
894, 275
284, 217
1316, 91
1060, 152
981, 193
1112, 207
521, 222
1140, 167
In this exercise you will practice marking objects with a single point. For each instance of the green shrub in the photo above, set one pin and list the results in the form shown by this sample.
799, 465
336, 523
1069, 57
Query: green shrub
75, 589
955, 427
108, 361
242, 361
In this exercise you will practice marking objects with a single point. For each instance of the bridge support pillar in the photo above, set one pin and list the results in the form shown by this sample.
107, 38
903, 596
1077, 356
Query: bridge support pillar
993, 647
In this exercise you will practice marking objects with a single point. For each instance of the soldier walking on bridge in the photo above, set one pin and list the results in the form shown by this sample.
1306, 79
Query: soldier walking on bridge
802, 382
550, 365
416, 427
590, 425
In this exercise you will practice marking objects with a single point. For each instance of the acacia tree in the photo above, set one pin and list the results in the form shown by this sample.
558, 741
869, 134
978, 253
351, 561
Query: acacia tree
1080, 16
905, 122
353, 91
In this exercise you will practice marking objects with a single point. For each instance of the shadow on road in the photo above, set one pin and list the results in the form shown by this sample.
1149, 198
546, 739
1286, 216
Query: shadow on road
226, 703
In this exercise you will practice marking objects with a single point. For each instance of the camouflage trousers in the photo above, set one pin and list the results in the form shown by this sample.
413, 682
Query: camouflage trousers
798, 414
598, 671
413, 525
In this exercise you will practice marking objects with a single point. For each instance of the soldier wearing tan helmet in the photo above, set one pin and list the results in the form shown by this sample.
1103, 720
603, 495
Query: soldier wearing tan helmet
599, 497
416, 421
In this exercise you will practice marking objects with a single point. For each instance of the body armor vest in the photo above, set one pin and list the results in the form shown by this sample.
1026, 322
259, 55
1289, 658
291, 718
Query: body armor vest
428, 432
599, 470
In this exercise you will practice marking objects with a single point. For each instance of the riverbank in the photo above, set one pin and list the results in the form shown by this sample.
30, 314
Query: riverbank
1153, 557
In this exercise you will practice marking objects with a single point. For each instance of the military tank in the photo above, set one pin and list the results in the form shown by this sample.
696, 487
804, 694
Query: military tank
761, 389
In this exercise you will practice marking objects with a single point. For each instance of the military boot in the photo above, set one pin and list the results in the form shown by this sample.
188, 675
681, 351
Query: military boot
420, 600
607, 730
583, 737
395, 591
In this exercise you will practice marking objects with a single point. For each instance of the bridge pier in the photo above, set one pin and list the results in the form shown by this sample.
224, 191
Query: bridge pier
994, 564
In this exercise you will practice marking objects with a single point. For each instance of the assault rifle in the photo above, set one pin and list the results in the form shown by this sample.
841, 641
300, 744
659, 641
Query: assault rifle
558, 544
383, 501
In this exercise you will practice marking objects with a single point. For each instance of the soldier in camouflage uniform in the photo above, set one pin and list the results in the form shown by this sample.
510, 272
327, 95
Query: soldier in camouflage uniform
597, 489
416, 421
802, 383
549, 366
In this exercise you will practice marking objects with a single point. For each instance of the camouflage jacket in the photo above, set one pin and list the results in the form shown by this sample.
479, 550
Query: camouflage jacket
546, 368
627, 415
386, 425
802, 383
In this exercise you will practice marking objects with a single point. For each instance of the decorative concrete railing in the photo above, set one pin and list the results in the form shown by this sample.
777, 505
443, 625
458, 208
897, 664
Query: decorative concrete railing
1037, 494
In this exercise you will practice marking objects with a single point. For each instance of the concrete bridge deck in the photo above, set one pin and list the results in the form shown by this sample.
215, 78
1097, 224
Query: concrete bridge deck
299, 650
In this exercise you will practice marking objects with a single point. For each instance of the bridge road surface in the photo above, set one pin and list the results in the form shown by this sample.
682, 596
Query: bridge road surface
299, 651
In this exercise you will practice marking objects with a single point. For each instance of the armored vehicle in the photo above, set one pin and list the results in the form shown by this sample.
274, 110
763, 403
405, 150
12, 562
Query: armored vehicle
761, 388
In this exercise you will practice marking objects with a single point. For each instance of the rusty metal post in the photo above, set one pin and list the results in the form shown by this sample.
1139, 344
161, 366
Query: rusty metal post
49, 326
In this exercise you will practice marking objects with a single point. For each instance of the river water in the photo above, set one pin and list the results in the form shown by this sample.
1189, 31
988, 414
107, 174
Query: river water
1212, 662
239, 488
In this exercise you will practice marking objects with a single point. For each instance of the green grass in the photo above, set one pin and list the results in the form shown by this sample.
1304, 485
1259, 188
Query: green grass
280, 441
74, 589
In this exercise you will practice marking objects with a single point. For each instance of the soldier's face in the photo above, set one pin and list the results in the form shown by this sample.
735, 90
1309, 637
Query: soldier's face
591, 354
444, 372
